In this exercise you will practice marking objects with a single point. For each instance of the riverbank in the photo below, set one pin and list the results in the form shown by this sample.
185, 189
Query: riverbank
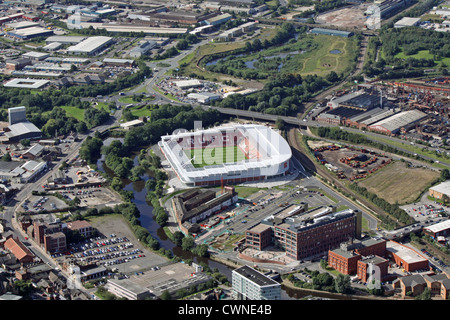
291, 289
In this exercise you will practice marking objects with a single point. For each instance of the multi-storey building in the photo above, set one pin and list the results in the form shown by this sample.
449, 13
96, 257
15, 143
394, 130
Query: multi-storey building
249, 284
309, 233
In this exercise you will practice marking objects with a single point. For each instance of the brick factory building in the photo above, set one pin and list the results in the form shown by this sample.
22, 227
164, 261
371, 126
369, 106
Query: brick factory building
193, 206
345, 258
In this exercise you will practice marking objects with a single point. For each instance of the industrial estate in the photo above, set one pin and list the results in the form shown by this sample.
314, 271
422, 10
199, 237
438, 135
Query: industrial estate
225, 150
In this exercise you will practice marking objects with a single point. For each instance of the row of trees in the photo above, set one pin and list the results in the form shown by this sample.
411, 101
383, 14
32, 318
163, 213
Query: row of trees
336, 133
283, 94
392, 209
323, 282
165, 120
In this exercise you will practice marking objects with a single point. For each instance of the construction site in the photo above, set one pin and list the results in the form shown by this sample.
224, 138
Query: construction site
349, 162
348, 17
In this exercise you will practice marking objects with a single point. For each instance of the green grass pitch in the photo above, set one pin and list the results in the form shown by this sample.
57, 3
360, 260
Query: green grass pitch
215, 156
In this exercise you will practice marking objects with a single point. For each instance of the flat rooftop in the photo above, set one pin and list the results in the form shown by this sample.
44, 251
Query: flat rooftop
26, 83
443, 188
255, 276
441, 226
406, 254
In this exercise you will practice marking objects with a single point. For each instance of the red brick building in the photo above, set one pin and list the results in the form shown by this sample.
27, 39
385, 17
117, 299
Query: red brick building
345, 259
405, 257
375, 264
259, 237
18, 249
81, 226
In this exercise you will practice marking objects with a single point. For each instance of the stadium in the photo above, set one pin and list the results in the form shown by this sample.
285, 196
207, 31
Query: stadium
226, 155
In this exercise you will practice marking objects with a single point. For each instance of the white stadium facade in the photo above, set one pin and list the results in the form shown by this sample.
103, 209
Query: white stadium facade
264, 154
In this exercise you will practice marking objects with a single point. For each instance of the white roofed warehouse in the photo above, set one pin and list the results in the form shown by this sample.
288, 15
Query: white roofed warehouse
441, 191
228, 155
90, 46
398, 122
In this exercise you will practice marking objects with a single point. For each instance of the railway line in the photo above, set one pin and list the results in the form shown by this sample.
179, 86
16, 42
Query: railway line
299, 153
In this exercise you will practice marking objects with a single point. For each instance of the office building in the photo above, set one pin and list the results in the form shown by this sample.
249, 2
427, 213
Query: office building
249, 284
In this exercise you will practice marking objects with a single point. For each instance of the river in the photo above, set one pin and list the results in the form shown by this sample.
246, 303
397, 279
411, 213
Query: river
147, 221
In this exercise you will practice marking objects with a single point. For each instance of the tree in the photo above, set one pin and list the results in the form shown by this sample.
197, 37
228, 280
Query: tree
280, 124
342, 283
182, 44
445, 175
178, 237
166, 295
25, 142
425, 295
187, 243
6, 157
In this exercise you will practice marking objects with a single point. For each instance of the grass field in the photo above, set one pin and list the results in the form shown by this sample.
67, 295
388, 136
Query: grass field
212, 156
75, 112
321, 61
141, 111
398, 183
422, 54
316, 57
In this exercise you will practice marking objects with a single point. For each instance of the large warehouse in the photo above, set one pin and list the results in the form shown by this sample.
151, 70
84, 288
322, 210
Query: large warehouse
90, 46
29, 33
19, 127
398, 122
228, 155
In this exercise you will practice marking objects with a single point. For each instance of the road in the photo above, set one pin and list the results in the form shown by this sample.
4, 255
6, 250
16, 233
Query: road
9, 214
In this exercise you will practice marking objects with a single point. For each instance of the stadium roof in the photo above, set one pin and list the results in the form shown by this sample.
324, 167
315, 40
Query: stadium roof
273, 152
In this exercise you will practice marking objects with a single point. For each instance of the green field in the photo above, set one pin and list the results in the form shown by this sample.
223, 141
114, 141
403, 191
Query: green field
423, 54
75, 112
215, 156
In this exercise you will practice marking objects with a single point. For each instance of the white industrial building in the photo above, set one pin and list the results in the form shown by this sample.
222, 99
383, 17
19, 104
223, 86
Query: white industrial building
204, 97
133, 28
65, 39
188, 84
142, 49
90, 46
26, 83
407, 22
19, 127
399, 121
21, 172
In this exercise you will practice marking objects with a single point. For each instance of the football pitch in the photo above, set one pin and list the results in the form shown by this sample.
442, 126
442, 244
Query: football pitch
215, 156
